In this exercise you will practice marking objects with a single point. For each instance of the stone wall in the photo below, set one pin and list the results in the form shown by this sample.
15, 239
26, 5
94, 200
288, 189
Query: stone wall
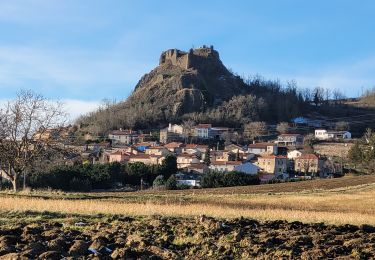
185, 59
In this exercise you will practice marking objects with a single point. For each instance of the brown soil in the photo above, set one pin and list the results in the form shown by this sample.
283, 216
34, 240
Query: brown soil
176, 238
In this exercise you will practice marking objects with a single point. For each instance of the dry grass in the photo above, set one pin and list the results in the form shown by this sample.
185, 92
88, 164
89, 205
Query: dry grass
355, 205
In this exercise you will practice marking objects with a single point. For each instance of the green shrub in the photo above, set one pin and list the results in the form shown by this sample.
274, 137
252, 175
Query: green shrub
76, 184
171, 183
228, 179
159, 181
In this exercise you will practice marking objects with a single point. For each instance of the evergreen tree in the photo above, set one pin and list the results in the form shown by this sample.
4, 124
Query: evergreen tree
207, 157
169, 166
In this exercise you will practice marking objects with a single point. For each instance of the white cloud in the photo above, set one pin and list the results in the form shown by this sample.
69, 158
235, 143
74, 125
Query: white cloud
76, 108
73, 107
349, 77
75, 70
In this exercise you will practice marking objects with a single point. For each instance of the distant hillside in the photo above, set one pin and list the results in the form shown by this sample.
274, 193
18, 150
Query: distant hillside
196, 85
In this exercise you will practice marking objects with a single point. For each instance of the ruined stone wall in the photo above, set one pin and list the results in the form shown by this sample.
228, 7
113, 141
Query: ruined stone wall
176, 58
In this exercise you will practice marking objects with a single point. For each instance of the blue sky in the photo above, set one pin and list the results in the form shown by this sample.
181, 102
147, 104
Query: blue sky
83, 51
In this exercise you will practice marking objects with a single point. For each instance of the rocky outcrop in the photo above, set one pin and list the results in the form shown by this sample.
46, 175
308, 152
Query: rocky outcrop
187, 82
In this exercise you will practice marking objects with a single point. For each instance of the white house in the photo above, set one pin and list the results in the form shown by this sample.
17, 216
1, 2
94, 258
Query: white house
123, 136
178, 129
262, 148
248, 168
189, 179
203, 131
294, 154
322, 134
221, 166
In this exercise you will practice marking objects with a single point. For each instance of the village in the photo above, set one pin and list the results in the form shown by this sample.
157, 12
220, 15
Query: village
203, 150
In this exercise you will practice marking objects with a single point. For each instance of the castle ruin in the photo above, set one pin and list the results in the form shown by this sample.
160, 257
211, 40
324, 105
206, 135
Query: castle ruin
184, 59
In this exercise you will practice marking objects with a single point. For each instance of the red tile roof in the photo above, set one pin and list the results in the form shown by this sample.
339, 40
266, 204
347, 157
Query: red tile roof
195, 146
203, 126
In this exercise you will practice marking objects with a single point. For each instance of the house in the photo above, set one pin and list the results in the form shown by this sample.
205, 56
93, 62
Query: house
218, 132
194, 148
221, 166
143, 158
186, 160
273, 164
235, 148
178, 129
294, 154
203, 131
262, 148
157, 150
144, 145
222, 155
200, 168
123, 136
322, 134
248, 168
295, 140
156, 159
118, 157
142, 138
188, 178
97, 147
175, 147
172, 133
308, 163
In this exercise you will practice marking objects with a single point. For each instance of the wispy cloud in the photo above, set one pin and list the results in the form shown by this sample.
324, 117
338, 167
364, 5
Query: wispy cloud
76, 71
76, 108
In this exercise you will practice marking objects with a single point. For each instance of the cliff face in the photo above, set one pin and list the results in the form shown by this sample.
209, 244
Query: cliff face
187, 82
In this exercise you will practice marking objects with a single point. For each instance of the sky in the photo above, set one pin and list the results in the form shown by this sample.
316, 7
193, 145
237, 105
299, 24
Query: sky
84, 51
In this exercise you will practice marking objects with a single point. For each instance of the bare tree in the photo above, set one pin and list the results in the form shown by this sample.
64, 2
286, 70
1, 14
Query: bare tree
337, 95
188, 128
283, 127
254, 129
29, 126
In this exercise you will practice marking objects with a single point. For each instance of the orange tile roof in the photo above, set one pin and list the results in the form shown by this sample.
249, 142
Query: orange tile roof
308, 156
260, 145
173, 145
203, 126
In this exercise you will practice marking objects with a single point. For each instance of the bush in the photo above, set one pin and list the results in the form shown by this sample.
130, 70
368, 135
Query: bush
171, 183
67, 177
159, 181
228, 179
79, 185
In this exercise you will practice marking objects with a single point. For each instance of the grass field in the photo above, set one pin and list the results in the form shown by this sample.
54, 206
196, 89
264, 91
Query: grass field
335, 201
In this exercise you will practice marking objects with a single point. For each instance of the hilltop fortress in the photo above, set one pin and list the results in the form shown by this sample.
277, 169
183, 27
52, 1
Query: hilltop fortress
186, 60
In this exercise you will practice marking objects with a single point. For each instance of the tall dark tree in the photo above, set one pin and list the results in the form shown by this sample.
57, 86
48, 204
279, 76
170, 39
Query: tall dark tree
207, 157
169, 166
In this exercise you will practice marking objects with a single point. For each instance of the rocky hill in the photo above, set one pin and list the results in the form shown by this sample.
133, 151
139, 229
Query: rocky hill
188, 83
193, 81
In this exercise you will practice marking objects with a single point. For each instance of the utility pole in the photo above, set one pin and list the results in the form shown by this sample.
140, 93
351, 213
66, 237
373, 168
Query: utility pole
1, 176
24, 175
